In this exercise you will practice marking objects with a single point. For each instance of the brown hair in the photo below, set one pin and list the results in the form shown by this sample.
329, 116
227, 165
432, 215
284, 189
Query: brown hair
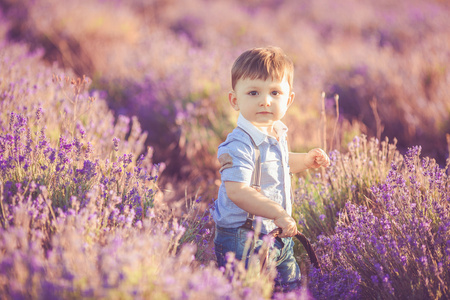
262, 63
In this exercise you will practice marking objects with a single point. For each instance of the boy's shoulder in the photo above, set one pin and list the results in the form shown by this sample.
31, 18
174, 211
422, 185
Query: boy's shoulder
236, 150
237, 138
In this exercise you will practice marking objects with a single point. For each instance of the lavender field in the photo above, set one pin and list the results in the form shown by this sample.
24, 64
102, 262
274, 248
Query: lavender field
110, 117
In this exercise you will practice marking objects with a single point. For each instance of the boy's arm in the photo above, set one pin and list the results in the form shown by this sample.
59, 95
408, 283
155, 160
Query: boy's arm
315, 158
257, 204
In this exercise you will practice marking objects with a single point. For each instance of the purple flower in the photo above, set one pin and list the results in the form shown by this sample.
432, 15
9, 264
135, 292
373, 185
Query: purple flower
116, 143
39, 113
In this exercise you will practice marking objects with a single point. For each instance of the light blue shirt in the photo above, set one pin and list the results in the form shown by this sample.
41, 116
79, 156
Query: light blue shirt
239, 154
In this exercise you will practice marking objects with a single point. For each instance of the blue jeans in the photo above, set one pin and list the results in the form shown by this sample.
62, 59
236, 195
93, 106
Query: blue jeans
233, 240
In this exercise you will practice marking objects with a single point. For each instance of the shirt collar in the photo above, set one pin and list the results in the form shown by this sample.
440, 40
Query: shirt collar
257, 135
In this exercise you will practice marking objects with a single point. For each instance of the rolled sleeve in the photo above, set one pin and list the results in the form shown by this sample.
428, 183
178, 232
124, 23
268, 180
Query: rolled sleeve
236, 158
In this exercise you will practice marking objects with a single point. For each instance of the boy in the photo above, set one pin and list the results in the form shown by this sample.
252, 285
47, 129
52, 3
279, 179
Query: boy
262, 92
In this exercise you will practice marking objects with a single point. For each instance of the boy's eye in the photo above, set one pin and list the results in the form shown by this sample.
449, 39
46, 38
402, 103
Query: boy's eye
276, 93
253, 93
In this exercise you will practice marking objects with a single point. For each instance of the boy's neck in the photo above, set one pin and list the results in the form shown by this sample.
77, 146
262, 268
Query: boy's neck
268, 130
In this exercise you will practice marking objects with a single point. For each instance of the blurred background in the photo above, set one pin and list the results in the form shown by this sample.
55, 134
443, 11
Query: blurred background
168, 63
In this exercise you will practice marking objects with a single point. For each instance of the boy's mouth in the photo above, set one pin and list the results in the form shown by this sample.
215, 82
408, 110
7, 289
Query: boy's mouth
264, 113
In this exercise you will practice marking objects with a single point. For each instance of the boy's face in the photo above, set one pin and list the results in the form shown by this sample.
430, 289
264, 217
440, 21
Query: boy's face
262, 102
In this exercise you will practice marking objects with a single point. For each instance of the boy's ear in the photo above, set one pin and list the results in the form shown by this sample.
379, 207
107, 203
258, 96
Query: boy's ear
291, 99
233, 100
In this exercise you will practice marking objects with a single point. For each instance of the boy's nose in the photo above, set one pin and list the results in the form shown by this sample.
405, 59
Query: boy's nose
265, 101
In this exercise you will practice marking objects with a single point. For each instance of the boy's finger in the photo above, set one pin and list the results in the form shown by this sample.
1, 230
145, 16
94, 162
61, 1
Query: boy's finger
323, 159
290, 231
318, 152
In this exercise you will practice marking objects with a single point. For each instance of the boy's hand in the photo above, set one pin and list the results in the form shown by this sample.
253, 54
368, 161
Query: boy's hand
317, 158
287, 225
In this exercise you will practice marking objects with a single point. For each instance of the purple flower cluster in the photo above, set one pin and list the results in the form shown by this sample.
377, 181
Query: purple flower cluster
78, 253
320, 198
402, 236
199, 229
69, 171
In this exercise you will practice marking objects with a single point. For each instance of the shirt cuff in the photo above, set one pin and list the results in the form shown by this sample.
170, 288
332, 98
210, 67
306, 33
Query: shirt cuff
237, 174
